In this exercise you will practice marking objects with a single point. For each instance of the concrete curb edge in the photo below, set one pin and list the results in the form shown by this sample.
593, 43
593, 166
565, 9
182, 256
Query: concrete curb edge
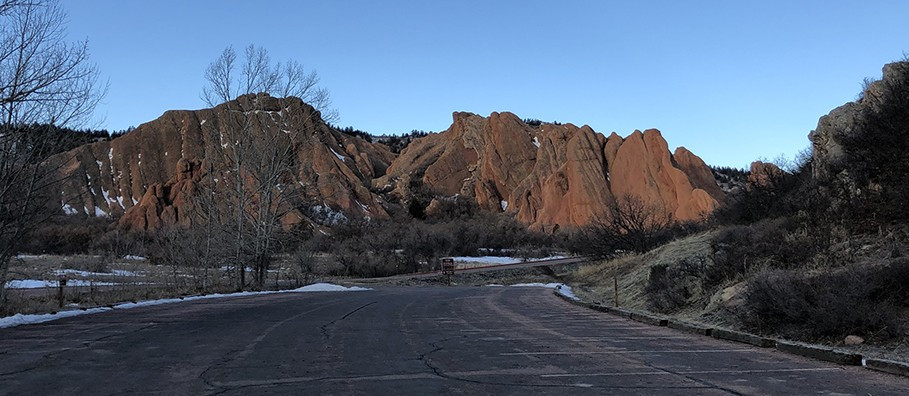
816, 352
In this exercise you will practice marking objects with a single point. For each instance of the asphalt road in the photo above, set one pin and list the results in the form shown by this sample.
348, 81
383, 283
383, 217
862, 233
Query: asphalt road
479, 340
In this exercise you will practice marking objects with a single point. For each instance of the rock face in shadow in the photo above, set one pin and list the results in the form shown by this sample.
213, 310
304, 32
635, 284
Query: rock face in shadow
834, 131
147, 175
552, 175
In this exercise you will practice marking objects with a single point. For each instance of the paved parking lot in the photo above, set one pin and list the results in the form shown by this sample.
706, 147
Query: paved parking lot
458, 340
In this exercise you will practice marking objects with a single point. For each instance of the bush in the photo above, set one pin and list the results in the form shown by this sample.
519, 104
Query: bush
775, 244
673, 287
406, 245
877, 158
862, 299
631, 225
66, 235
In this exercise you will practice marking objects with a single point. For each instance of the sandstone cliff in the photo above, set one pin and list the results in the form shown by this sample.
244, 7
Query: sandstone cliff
547, 176
139, 172
552, 175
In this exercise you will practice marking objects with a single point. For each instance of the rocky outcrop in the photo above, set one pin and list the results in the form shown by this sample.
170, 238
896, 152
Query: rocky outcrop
763, 174
167, 204
552, 175
141, 171
846, 122
547, 175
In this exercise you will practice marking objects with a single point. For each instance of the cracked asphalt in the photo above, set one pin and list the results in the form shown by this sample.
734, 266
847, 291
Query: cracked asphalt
431, 340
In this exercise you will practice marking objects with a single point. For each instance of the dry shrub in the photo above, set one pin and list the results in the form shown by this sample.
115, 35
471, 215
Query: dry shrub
862, 299
65, 235
740, 251
671, 288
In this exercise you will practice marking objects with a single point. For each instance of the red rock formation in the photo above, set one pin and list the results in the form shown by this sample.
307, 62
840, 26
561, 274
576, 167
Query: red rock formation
547, 176
763, 173
111, 178
170, 203
553, 175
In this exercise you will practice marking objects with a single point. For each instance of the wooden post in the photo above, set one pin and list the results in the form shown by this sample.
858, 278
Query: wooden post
61, 283
615, 287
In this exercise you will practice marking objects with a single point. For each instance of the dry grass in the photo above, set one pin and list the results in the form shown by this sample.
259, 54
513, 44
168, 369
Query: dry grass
141, 280
594, 282
35, 301
720, 287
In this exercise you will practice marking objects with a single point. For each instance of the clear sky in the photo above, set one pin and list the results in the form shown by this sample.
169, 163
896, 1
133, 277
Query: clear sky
732, 81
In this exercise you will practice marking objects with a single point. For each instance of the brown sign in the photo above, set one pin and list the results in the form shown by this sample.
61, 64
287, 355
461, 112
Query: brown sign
448, 266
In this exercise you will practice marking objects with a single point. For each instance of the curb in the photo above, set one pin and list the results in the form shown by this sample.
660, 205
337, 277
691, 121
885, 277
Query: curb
826, 354
887, 366
745, 338
820, 353
649, 319
689, 327
617, 311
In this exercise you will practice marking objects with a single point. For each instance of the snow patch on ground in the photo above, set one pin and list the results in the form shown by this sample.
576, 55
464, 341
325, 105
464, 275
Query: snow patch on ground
100, 212
28, 256
69, 210
326, 215
487, 260
327, 287
20, 319
500, 260
561, 288
75, 272
39, 284
131, 257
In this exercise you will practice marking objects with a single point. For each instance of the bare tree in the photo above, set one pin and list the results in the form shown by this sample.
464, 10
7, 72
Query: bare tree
257, 150
631, 225
45, 80
258, 74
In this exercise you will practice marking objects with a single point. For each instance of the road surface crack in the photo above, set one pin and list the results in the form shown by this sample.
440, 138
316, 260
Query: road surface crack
438, 372
324, 328
692, 378
54, 356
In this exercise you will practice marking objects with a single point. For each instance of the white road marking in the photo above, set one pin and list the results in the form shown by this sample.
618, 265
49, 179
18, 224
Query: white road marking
605, 338
542, 329
791, 370
617, 352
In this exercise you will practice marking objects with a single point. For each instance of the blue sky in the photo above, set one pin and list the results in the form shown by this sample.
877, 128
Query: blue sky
732, 81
